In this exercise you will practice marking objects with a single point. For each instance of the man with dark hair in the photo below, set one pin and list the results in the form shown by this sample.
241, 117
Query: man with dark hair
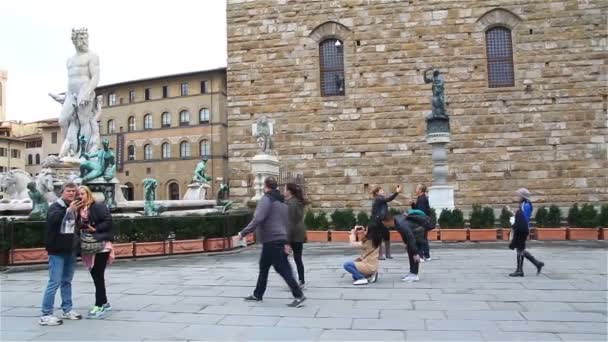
422, 204
270, 223
61, 247
379, 213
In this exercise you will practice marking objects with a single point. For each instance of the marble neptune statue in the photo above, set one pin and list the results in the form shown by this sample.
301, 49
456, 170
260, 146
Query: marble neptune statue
80, 110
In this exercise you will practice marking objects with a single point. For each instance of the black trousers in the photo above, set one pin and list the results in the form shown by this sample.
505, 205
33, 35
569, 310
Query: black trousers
297, 257
273, 254
98, 275
413, 263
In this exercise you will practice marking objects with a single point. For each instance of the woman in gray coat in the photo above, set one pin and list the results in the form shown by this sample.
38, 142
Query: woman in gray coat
296, 231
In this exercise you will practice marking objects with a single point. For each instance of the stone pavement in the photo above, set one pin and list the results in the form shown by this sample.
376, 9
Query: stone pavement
465, 294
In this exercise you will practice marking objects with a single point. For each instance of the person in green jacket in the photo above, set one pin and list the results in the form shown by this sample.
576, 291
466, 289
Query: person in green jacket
296, 231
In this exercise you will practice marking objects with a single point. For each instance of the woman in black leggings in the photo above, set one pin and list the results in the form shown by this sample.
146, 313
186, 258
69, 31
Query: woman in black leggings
296, 231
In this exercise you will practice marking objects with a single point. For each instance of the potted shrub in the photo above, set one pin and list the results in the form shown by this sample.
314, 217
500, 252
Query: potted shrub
545, 231
316, 226
505, 222
603, 221
362, 220
453, 226
343, 221
188, 246
585, 224
482, 224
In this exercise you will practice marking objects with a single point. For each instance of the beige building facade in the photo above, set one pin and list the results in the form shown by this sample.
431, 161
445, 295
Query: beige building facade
12, 151
525, 85
160, 127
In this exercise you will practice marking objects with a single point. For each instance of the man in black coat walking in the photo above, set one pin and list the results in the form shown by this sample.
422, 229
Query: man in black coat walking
422, 204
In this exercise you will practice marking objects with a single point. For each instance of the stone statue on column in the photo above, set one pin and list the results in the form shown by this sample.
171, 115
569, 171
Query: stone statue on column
441, 195
265, 163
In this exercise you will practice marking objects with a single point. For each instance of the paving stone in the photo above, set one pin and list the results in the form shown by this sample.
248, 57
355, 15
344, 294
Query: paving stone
460, 325
144, 316
348, 313
191, 318
316, 322
450, 305
388, 324
519, 336
421, 335
565, 316
279, 334
583, 337
384, 304
554, 327
249, 321
546, 306
494, 315
590, 307
361, 335
20, 335
174, 307
412, 314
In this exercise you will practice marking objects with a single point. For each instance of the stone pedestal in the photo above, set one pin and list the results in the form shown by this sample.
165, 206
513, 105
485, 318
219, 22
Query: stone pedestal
441, 195
196, 191
105, 190
263, 166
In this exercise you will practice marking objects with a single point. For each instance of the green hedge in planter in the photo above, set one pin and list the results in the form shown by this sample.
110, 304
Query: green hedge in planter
343, 219
554, 217
362, 218
310, 220
573, 216
603, 219
481, 218
30, 234
322, 221
450, 219
586, 217
541, 217
505, 217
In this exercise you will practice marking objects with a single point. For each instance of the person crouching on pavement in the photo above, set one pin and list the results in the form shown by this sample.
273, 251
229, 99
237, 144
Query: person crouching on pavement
364, 269
412, 228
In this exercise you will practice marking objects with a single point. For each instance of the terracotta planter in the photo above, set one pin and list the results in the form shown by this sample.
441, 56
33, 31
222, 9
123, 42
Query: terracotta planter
28, 256
216, 244
583, 234
340, 236
551, 234
433, 235
317, 235
482, 234
123, 250
150, 248
250, 239
603, 233
187, 246
395, 236
454, 234
504, 233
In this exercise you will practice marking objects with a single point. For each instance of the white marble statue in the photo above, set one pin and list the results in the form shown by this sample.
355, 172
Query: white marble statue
80, 110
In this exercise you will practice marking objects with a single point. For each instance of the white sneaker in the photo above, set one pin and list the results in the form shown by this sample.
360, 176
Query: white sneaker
421, 260
429, 259
72, 315
412, 279
49, 320
407, 276
361, 281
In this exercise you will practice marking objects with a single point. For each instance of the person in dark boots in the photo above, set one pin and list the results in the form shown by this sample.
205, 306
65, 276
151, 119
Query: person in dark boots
270, 223
520, 231
379, 214
422, 204
296, 231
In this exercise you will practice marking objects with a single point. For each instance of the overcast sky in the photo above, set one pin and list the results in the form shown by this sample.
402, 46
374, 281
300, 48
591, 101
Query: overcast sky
134, 39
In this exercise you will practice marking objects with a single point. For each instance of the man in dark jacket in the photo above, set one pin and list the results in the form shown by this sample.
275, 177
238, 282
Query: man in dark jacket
422, 204
270, 223
412, 229
61, 242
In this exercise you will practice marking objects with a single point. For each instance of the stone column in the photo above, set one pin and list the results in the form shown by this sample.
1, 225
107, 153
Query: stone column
441, 195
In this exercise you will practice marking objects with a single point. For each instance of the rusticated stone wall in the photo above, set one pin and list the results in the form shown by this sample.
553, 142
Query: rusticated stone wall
550, 138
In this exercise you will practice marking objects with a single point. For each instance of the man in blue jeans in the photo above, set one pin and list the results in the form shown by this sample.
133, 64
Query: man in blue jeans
61, 246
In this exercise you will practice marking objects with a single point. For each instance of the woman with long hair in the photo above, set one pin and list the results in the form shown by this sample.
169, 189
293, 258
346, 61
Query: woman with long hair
296, 231
364, 269
96, 235
379, 213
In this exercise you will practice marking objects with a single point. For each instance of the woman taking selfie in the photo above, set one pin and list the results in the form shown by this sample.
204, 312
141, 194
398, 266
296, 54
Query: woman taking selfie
364, 269
296, 231
96, 235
